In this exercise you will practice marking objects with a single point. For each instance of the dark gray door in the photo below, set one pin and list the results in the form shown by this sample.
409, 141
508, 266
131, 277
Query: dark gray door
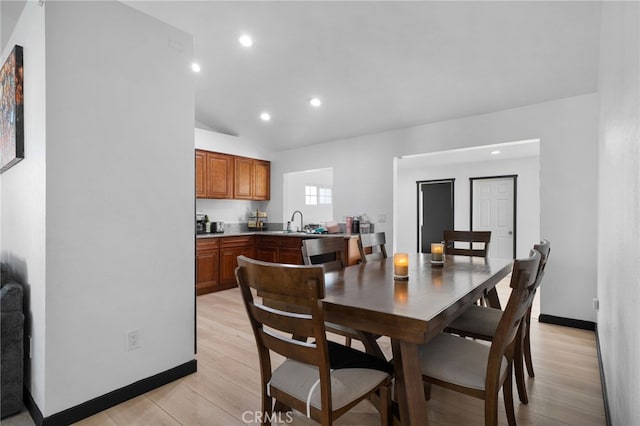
435, 211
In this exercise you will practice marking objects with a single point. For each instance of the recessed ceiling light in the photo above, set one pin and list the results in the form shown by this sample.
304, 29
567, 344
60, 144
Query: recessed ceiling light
315, 102
265, 116
195, 67
246, 40
495, 152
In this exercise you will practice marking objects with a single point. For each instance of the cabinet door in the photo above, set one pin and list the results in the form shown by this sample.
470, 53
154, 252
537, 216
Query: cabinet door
201, 174
267, 254
206, 271
228, 264
219, 175
243, 182
261, 180
291, 255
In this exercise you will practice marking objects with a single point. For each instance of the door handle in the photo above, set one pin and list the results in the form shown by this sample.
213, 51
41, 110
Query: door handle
510, 232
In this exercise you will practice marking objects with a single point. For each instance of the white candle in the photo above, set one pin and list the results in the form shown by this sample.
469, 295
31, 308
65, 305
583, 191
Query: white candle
401, 265
437, 252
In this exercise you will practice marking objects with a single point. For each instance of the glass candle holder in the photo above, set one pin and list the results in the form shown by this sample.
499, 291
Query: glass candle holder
401, 266
437, 253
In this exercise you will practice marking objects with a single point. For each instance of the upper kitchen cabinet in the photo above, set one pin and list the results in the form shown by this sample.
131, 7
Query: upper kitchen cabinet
231, 177
201, 174
219, 175
252, 179
262, 180
214, 175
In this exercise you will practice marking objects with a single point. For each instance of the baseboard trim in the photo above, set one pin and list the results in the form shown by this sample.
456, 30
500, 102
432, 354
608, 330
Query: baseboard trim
32, 407
603, 383
567, 322
101, 403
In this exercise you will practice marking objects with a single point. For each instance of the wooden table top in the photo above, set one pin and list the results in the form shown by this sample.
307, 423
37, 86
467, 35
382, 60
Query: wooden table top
366, 296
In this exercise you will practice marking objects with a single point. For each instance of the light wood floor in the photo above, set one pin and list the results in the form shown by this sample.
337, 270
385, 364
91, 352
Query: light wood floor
566, 389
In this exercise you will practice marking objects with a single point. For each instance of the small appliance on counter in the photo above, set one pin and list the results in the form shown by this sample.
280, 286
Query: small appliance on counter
201, 220
217, 227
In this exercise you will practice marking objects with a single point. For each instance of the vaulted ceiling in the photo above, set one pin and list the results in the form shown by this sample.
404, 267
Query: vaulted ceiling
377, 65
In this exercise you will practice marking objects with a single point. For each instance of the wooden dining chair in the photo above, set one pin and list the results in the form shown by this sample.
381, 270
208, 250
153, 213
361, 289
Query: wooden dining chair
479, 322
372, 246
311, 380
474, 243
326, 251
473, 368
330, 254
470, 240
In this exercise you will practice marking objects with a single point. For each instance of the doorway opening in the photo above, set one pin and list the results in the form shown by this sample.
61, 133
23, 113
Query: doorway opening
521, 158
435, 211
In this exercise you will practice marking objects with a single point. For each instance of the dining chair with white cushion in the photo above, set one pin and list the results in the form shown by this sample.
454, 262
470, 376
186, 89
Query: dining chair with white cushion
479, 370
315, 379
480, 322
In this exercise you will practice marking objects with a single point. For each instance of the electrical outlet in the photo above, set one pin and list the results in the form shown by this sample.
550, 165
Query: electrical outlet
133, 340
382, 218
596, 304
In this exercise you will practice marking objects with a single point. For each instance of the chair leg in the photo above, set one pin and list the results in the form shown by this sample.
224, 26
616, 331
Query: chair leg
384, 405
527, 349
427, 390
519, 373
507, 391
491, 409
267, 404
347, 341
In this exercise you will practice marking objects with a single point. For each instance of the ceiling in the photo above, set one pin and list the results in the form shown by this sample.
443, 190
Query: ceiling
378, 65
502, 151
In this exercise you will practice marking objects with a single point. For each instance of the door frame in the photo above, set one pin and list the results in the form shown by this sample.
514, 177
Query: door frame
515, 203
418, 204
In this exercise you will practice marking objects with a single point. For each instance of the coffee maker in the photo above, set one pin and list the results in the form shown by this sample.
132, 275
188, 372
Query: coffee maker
200, 223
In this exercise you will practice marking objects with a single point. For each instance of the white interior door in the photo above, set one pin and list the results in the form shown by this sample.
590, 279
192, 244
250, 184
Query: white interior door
493, 209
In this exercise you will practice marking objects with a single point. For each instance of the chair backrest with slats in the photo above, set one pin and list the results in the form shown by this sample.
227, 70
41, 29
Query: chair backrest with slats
471, 238
286, 290
544, 248
523, 280
326, 251
376, 242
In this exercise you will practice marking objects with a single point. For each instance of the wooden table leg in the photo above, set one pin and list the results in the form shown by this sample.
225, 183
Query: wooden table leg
370, 344
492, 298
409, 388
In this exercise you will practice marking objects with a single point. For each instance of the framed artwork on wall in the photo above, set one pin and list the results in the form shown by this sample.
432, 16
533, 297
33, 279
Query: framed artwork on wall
12, 110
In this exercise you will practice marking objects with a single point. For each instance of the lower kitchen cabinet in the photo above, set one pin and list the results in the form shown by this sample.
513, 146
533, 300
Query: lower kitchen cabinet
230, 249
217, 257
207, 253
278, 249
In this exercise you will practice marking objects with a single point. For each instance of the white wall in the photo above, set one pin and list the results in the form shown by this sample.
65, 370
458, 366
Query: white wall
22, 189
567, 129
294, 197
219, 142
528, 196
118, 168
619, 209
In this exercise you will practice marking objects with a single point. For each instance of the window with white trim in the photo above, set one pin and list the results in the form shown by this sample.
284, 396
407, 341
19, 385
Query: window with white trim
325, 195
310, 195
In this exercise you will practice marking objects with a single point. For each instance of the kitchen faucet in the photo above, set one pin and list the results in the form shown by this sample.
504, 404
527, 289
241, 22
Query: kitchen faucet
301, 220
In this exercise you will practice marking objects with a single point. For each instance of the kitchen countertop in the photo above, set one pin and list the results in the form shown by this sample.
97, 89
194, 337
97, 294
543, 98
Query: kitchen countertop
273, 233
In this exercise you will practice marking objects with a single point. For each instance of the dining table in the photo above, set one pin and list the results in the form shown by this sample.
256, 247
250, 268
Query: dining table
410, 312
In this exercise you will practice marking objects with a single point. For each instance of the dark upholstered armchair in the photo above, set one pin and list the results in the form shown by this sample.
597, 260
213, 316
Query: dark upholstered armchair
12, 324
